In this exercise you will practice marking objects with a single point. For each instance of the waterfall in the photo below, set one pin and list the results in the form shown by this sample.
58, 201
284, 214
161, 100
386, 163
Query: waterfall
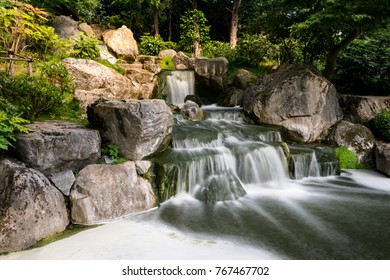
219, 158
312, 162
180, 84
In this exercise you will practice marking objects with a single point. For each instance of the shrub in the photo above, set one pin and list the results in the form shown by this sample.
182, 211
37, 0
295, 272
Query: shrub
381, 125
31, 95
149, 45
217, 49
9, 123
347, 158
86, 47
254, 49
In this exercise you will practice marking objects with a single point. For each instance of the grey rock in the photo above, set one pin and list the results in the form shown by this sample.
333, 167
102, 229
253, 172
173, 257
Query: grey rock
54, 146
139, 127
243, 79
382, 157
142, 166
362, 109
297, 98
63, 181
220, 188
355, 137
233, 97
66, 27
94, 81
209, 78
105, 193
121, 42
191, 111
31, 208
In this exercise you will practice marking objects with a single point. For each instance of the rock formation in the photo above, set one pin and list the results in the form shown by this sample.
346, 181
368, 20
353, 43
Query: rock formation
297, 98
139, 127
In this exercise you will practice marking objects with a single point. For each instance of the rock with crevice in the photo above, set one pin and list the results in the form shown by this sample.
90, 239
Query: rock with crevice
31, 208
105, 193
63, 181
139, 127
55, 146
362, 109
355, 137
298, 99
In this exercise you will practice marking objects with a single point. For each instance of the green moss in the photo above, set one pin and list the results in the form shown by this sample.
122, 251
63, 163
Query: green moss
347, 158
381, 125
71, 230
167, 63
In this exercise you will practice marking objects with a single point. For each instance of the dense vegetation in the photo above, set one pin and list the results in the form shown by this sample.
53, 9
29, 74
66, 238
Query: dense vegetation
349, 40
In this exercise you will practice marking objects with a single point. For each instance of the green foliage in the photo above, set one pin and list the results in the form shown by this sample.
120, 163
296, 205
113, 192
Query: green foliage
115, 67
56, 73
20, 22
167, 63
86, 47
10, 123
381, 125
149, 45
254, 49
213, 49
347, 158
364, 66
32, 95
113, 152
193, 29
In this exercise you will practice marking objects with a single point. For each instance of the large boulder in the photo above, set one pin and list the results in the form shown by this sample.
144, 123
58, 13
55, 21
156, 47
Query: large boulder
121, 42
357, 138
107, 192
297, 98
382, 157
66, 27
94, 81
31, 208
362, 109
54, 146
139, 127
209, 78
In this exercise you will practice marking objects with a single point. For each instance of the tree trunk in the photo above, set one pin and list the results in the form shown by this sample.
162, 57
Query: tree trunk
156, 22
335, 49
331, 63
170, 20
234, 24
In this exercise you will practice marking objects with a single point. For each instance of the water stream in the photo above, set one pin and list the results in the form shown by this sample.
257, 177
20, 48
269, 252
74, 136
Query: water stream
228, 191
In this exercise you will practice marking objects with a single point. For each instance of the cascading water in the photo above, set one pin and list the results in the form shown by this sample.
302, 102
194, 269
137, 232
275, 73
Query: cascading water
258, 206
180, 84
224, 146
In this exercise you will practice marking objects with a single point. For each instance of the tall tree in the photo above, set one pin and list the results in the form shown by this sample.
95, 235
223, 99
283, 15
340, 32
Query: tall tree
339, 22
234, 23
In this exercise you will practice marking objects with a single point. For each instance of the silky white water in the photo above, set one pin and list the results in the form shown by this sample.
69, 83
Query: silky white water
180, 84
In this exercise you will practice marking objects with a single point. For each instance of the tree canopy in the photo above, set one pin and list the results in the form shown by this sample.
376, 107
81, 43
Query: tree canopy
317, 32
